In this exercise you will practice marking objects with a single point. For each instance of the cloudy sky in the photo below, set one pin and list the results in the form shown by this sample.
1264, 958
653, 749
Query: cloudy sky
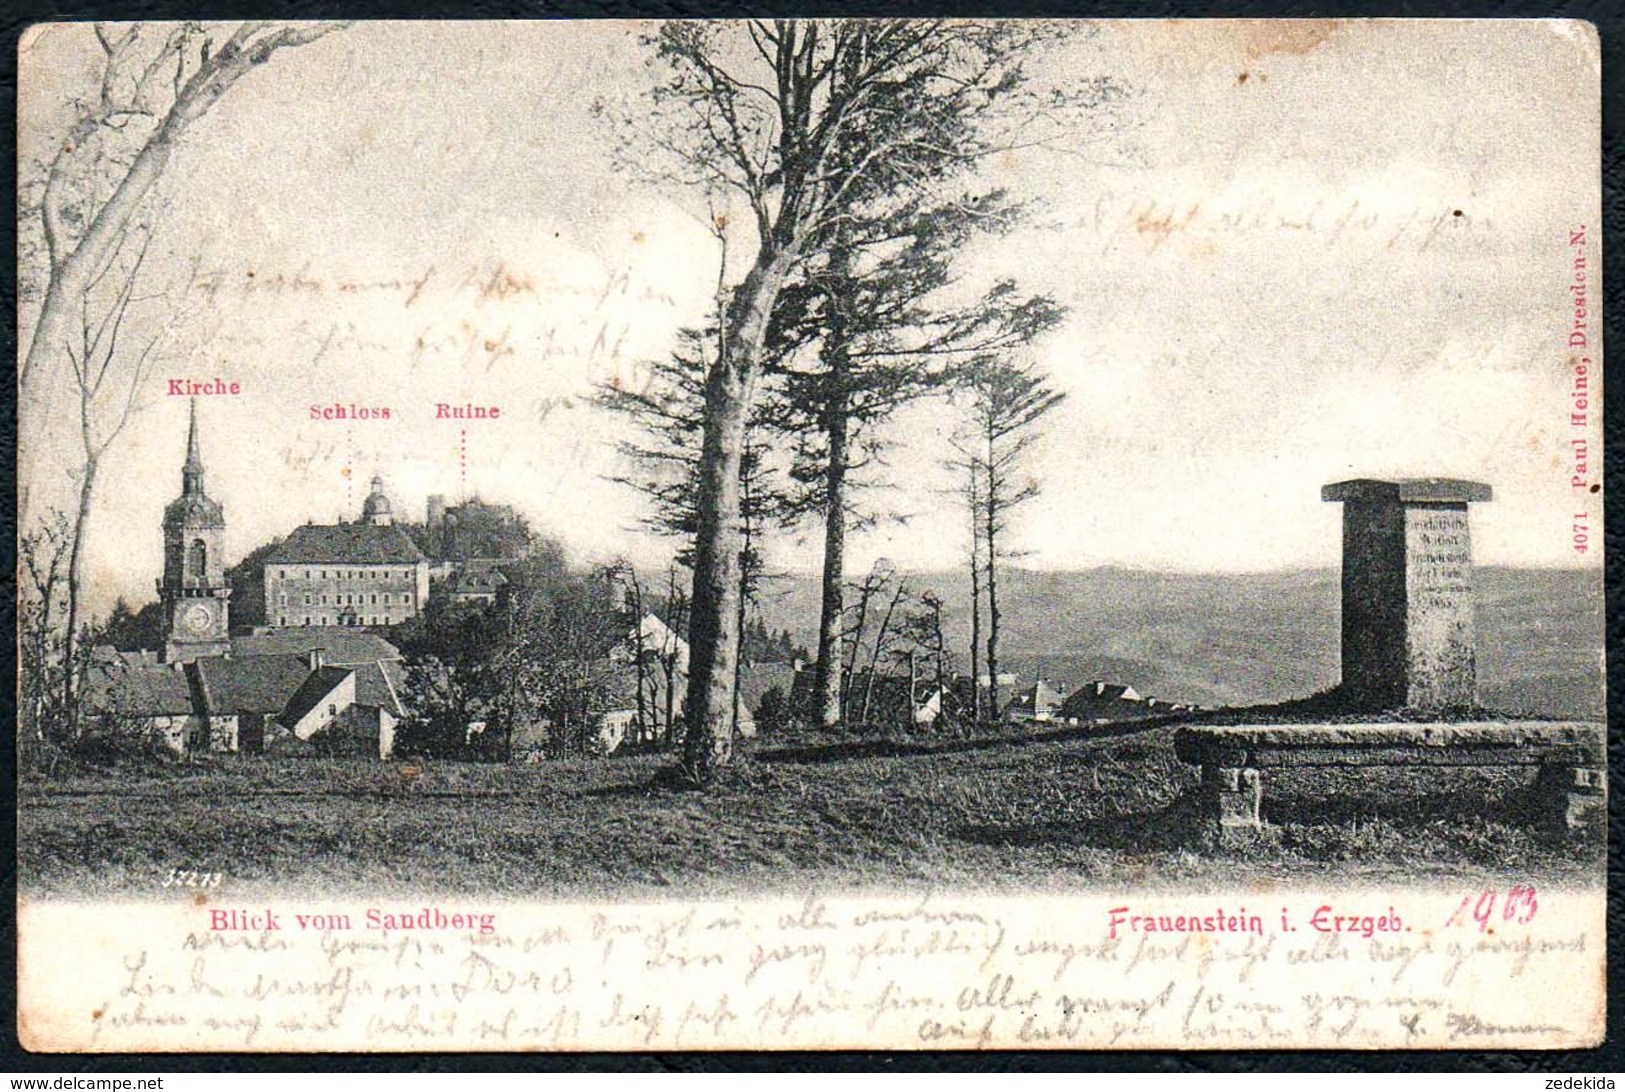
1295, 253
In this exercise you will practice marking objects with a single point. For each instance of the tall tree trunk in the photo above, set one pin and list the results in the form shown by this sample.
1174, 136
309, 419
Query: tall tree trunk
975, 599
991, 531
76, 577
827, 671
836, 358
714, 607
744, 604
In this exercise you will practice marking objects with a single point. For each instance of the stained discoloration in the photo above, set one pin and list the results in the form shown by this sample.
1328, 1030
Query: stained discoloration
1293, 37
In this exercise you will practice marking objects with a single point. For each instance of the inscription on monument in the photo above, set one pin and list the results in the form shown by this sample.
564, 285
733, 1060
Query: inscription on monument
1440, 557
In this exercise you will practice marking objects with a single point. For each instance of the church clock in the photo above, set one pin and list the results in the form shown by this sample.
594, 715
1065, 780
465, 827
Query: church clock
198, 618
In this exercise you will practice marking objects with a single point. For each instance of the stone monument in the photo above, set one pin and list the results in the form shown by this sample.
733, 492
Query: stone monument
1407, 592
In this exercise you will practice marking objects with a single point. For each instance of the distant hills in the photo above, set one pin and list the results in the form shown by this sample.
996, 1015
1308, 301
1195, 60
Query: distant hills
1246, 638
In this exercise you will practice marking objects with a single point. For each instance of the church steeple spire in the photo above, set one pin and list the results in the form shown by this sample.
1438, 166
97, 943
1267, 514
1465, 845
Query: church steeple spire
195, 593
192, 471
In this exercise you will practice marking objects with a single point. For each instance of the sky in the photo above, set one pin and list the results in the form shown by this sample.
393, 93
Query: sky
1291, 254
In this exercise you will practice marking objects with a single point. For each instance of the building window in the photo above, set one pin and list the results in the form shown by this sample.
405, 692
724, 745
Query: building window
386, 597
307, 617
282, 620
332, 710
375, 599
307, 602
307, 574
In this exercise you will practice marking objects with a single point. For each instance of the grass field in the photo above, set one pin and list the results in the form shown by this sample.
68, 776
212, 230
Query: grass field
1059, 812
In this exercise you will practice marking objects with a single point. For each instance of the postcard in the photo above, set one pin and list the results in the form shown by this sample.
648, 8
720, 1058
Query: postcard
900, 534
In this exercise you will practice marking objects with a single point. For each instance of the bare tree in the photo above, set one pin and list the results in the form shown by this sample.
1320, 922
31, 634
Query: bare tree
808, 124
923, 635
43, 555
111, 355
156, 81
973, 504
881, 647
1006, 401
671, 654
854, 631
637, 646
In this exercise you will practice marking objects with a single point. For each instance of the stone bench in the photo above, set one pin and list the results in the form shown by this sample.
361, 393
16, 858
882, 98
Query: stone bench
1570, 757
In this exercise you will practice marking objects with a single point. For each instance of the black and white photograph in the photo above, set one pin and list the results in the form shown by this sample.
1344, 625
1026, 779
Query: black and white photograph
785, 533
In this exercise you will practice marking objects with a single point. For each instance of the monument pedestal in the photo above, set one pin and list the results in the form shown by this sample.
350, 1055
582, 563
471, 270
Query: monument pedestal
1234, 795
1407, 592
1572, 797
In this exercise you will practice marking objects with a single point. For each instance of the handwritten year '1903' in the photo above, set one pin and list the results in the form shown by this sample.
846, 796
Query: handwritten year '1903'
187, 877
1518, 906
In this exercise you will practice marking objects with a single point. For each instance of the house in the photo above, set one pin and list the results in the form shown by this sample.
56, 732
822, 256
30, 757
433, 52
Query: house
962, 696
132, 694
1038, 703
350, 709
1101, 702
242, 697
366, 573
652, 659
893, 701
274, 692
478, 581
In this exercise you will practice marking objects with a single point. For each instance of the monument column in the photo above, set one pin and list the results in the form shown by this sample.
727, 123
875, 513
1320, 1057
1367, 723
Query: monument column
1407, 592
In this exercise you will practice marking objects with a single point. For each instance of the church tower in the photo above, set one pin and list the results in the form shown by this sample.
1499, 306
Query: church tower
193, 590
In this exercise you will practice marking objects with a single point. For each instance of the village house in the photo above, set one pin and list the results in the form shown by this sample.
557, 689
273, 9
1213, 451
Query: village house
267, 695
1102, 702
478, 580
1039, 703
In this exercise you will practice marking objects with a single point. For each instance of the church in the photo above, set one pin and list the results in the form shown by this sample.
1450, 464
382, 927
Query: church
280, 690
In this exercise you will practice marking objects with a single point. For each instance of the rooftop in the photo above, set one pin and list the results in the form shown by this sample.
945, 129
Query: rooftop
317, 685
346, 544
338, 645
253, 684
132, 684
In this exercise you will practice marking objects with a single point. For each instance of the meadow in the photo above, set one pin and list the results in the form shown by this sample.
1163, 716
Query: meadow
1066, 810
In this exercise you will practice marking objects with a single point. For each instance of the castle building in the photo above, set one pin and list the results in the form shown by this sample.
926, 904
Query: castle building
366, 573
193, 589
